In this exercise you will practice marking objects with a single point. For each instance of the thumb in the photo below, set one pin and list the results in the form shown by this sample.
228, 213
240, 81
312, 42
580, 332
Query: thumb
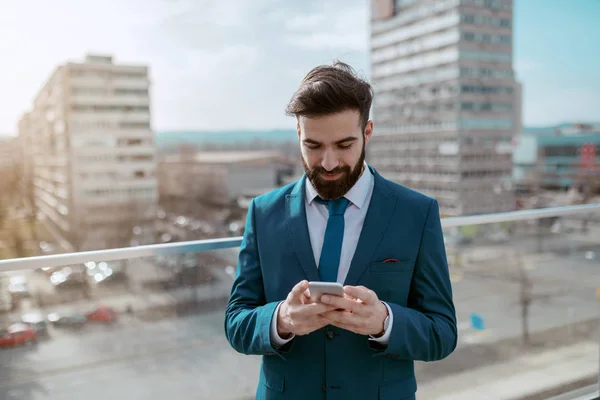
298, 291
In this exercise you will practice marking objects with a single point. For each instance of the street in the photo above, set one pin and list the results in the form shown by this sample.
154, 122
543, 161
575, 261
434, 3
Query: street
185, 358
563, 292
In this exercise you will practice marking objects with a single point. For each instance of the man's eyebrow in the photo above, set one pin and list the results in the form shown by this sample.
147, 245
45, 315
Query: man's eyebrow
341, 141
346, 139
310, 141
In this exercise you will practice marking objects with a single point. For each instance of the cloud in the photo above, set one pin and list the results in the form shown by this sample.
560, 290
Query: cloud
213, 64
330, 27
235, 64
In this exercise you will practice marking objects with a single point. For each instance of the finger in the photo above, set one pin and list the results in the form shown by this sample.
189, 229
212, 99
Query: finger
366, 295
341, 302
296, 293
306, 297
310, 310
343, 319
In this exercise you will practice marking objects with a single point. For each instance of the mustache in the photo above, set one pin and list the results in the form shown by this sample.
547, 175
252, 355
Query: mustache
337, 170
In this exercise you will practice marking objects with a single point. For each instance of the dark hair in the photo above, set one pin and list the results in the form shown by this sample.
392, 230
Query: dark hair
329, 89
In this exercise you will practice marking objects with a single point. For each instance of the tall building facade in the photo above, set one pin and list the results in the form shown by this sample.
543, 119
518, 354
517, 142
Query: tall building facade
447, 104
89, 150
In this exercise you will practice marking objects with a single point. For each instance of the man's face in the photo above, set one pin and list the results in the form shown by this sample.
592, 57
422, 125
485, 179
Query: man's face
333, 151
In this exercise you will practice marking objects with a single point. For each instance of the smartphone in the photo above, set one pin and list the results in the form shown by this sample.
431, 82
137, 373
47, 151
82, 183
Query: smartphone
317, 289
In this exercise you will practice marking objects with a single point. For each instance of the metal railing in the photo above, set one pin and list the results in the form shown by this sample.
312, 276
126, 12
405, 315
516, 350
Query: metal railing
154, 250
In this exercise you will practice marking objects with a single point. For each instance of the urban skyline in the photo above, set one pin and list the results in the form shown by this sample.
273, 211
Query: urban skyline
560, 81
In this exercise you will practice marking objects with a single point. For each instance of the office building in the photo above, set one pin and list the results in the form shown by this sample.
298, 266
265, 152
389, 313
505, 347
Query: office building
447, 104
89, 148
558, 158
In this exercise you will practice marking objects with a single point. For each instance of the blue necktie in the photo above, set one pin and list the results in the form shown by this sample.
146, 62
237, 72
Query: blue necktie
334, 236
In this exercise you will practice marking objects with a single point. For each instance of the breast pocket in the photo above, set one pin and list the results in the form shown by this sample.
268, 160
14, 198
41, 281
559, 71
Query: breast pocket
391, 267
391, 280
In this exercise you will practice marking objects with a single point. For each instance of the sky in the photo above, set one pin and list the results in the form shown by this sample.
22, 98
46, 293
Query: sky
218, 65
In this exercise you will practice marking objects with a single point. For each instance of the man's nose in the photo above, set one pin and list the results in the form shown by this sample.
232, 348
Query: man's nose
329, 161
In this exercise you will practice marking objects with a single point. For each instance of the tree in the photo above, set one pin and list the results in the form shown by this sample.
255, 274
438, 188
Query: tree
18, 241
31, 206
9, 204
510, 267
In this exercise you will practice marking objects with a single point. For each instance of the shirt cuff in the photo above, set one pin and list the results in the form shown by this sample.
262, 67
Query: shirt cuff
385, 338
276, 340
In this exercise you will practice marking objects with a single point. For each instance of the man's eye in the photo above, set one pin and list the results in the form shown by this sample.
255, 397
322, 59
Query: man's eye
312, 147
345, 146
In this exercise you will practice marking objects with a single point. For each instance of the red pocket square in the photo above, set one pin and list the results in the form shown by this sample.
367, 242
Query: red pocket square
390, 260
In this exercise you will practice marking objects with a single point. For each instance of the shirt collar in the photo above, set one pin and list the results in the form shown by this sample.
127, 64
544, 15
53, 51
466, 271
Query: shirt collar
357, 193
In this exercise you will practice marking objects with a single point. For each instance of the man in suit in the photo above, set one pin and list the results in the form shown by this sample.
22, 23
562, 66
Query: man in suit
341, 222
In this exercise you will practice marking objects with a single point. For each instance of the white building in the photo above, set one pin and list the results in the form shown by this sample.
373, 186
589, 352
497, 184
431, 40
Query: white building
90, 150
447, 104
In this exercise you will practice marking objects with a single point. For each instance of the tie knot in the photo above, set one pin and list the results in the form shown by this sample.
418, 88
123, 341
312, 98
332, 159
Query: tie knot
337, 206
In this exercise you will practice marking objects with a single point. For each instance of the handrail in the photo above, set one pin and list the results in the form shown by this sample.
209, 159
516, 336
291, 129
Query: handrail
522, 215
154, 250
126, 253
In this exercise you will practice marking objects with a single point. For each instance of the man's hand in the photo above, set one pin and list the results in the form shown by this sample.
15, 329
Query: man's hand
298, 316
363, 312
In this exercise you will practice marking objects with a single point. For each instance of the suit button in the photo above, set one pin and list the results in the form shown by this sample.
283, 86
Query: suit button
323, 387
330, 334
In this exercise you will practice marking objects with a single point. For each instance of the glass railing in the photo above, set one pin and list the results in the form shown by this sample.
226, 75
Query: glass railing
147, 322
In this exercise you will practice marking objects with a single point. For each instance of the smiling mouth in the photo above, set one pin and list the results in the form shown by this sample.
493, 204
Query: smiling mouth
329, 176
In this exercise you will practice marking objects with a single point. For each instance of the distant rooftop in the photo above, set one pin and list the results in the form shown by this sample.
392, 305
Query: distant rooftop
225, 157
98, 58
575, 128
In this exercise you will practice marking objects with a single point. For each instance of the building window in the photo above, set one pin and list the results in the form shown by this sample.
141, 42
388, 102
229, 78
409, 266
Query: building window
486, 56
486, 38
134, 125
481, 89
504, 123
494, 107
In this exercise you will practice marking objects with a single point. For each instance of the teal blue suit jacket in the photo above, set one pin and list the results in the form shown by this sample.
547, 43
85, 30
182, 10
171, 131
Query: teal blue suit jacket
332, 363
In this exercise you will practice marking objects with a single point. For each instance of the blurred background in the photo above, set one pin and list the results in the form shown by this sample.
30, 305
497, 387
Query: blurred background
140, 123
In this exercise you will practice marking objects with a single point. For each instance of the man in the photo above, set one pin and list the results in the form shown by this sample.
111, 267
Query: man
341, 222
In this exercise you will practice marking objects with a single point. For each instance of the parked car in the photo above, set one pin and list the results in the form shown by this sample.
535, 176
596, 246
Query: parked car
102, 314
17, 335
37, 322
71, 320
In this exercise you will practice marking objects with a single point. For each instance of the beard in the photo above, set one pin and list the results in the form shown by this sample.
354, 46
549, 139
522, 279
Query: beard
334, 189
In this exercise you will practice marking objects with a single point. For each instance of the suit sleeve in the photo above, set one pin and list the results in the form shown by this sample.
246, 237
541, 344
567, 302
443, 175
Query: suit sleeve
248, 316
426, 329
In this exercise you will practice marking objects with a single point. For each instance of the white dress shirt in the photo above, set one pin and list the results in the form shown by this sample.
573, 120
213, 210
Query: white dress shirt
354, 217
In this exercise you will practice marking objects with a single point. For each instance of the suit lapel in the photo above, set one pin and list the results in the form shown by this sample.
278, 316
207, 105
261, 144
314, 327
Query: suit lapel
378, 217
298, 230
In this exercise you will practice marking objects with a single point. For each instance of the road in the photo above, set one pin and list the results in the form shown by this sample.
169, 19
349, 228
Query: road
564, 292
185, 358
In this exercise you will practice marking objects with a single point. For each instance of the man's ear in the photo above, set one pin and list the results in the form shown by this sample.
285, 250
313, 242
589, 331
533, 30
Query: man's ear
368, 131
298, 128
